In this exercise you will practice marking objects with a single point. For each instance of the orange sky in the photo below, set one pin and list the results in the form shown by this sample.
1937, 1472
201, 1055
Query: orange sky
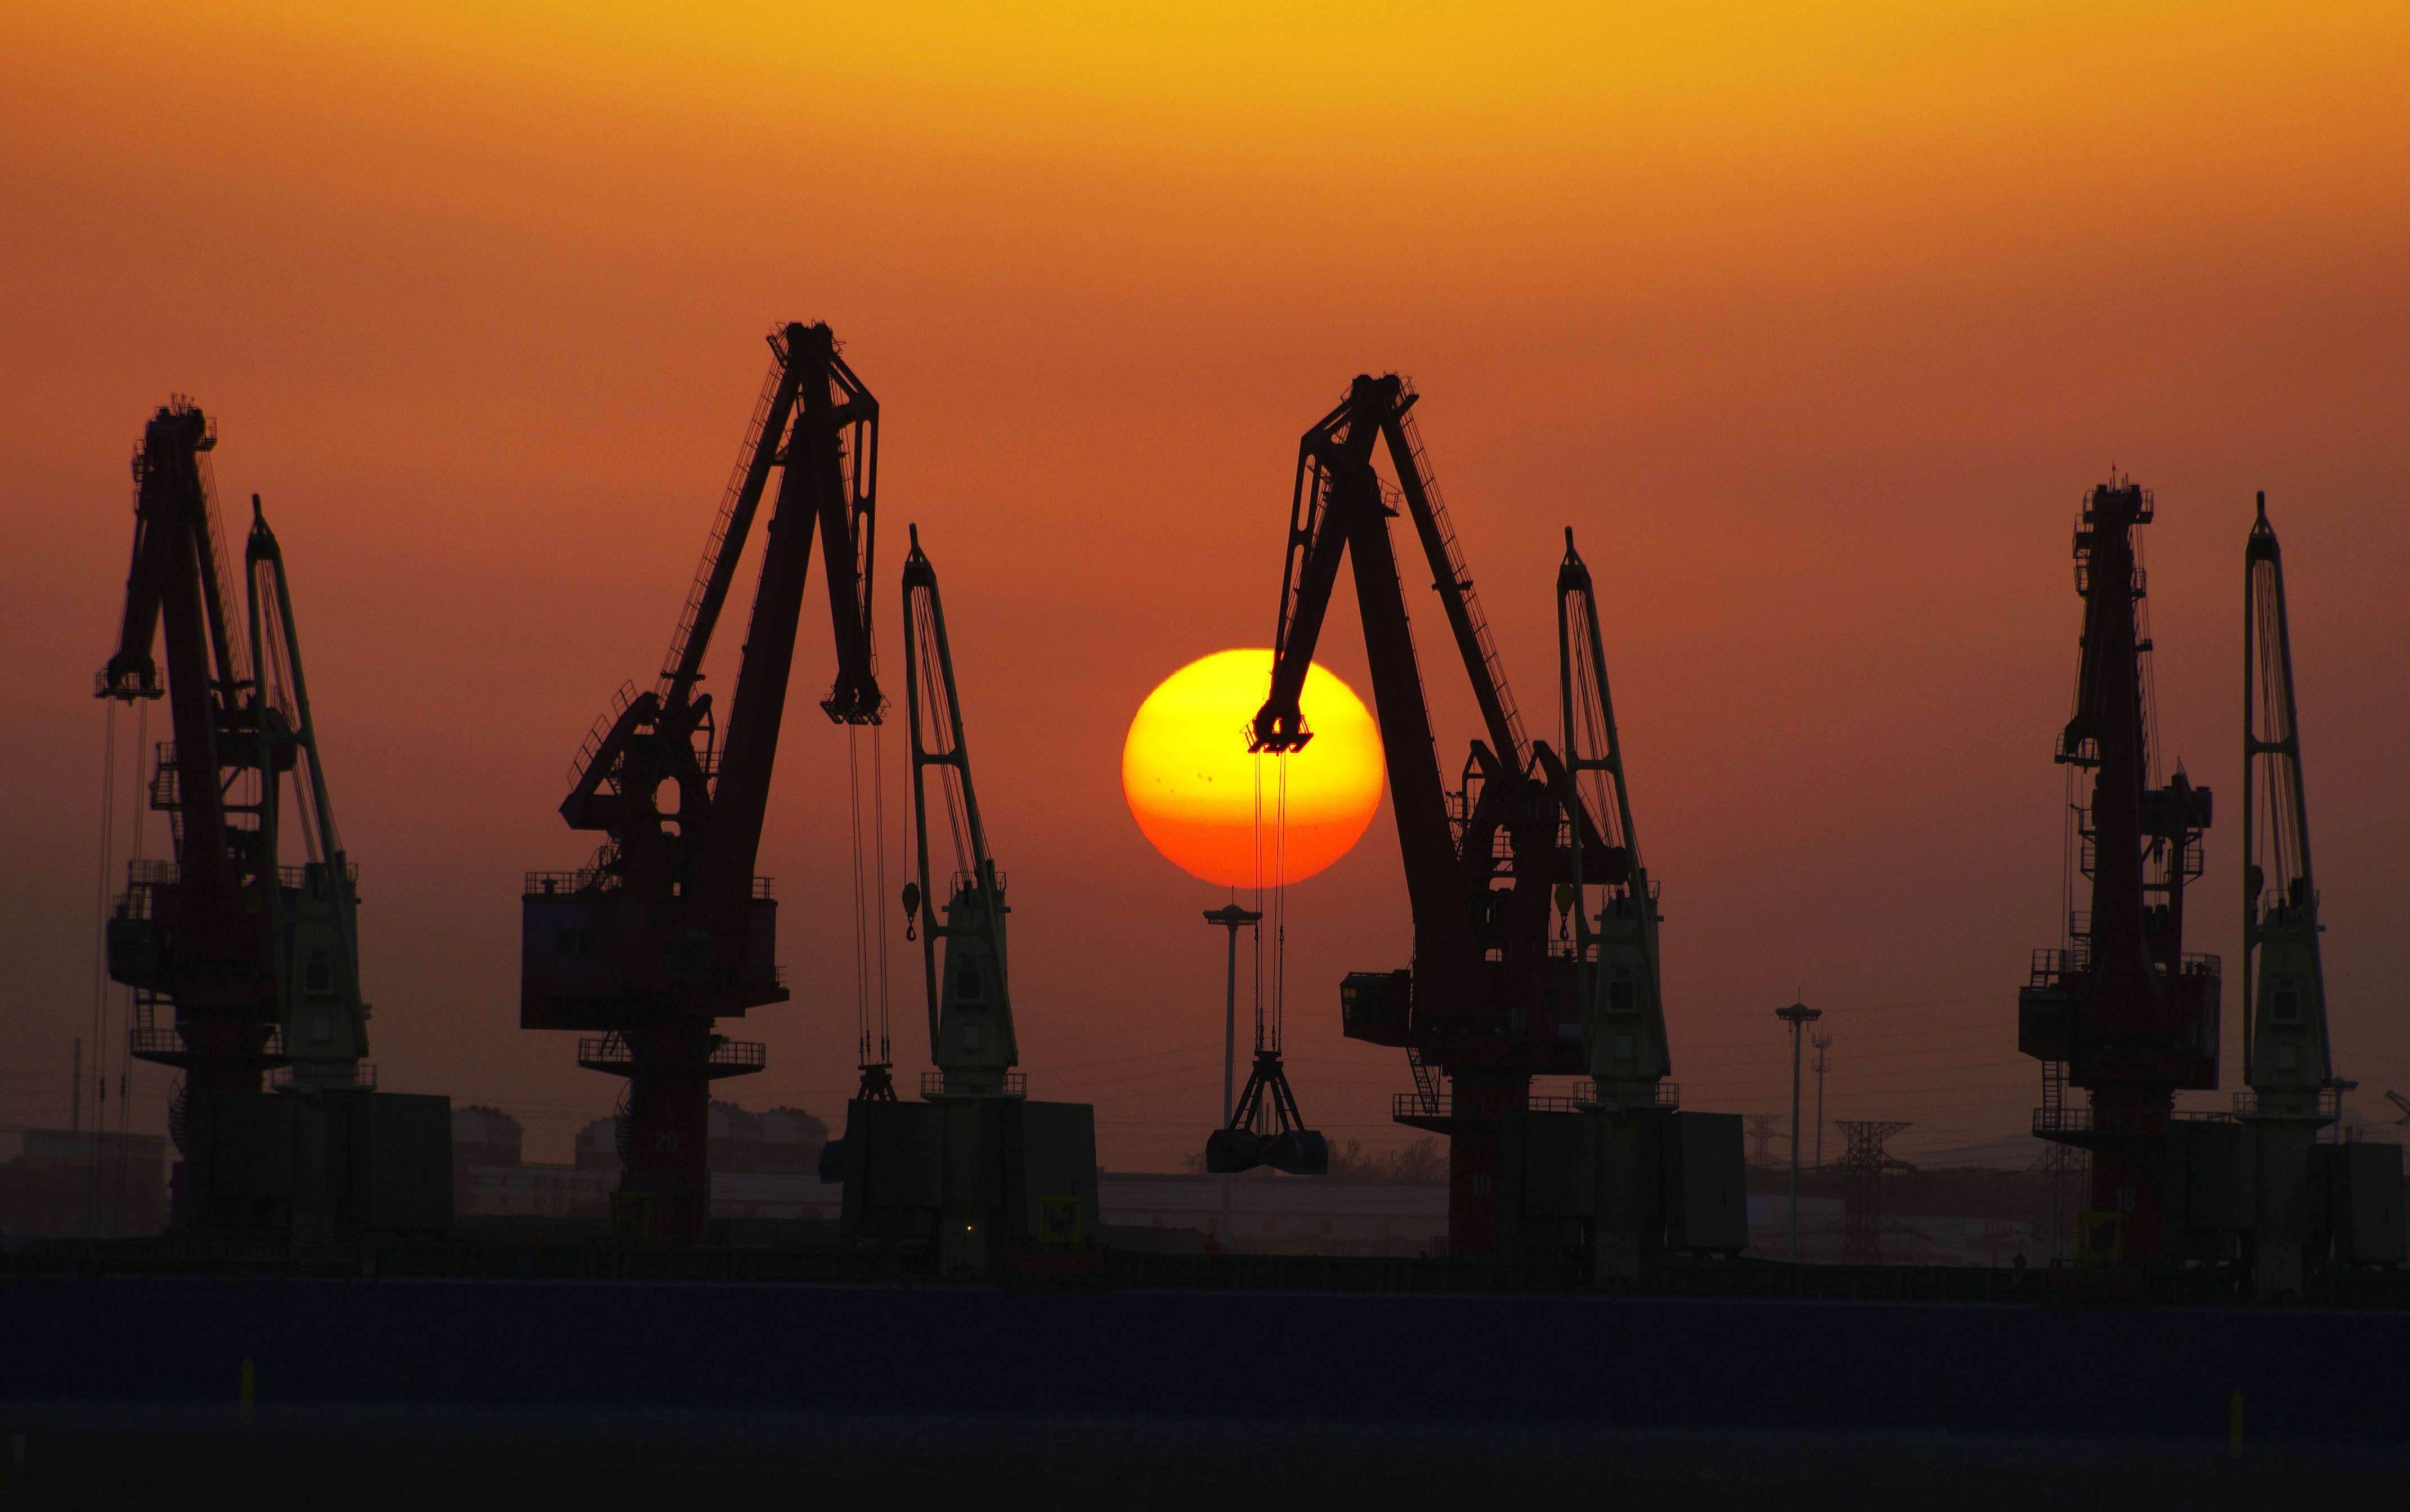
1814, 322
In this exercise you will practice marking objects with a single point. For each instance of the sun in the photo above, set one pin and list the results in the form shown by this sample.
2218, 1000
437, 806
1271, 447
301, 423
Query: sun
1192, 783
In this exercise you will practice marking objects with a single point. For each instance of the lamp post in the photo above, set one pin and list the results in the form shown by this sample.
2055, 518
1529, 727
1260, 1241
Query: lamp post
1798, 1015
1232, 918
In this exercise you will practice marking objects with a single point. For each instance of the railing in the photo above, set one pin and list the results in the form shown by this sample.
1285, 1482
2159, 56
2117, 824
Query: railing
753, 442
2049, 965
155, 1039
2327, 1105
611, 1053
2062, 1119
554, 883
151, 1040
1015, 1084
596, 731
1586, 1094
297, 877
1462, 576
103, 686
364, 1077
237, 645
593, 879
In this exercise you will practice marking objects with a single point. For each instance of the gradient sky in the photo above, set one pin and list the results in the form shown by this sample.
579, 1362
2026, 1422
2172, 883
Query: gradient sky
1814, 322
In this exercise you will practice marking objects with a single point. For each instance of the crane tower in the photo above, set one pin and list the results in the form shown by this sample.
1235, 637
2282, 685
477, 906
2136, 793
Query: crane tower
2286, 1056
2121, 1008
975, 1175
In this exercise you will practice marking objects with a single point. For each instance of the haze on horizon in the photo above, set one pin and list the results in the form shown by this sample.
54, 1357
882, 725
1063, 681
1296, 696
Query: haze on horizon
1815, 330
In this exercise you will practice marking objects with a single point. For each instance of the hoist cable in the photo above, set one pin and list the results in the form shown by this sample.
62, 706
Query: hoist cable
861, 954
879, 849
1279, 906
1257, 977
100, 955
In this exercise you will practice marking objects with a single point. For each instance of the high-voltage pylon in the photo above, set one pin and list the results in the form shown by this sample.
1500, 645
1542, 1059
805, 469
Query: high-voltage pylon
668, 929
2285, 1051
2129, 1014
1763, 1131
1862, 1164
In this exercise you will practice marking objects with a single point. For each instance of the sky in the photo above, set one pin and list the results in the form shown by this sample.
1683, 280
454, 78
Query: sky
1815, 322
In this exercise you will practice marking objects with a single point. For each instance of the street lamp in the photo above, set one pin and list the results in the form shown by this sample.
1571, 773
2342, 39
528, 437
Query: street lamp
1798, 1015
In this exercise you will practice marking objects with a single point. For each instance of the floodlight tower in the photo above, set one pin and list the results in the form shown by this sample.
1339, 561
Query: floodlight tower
1798, 1015
1233, 919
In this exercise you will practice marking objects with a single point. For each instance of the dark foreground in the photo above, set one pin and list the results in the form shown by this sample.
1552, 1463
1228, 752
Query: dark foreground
536, 1457
384, 1392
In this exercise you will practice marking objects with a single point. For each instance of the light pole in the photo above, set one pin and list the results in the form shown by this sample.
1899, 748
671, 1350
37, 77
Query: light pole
1798, 1015
1232, 918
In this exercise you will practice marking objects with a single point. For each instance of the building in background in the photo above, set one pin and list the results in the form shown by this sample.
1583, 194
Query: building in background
57, 1182
482, 1136
764, 1165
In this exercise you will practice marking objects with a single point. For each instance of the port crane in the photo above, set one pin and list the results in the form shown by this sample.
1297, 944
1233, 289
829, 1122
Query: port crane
975, 1173
667, 928
242, 966
969, 989
1615, 918
1493, 998
2288, 1059
2121, 1008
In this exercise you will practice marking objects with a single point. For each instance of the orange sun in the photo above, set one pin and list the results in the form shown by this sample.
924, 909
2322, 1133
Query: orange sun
1192, 783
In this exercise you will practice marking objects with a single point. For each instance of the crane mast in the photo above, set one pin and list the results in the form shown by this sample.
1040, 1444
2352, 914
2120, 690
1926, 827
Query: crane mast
974, 1176
2121, 1009
1489, 1002
313, 916
1615, 918
668, 929
2287, 1057
969, 991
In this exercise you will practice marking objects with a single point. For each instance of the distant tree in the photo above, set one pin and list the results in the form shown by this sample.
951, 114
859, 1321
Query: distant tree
1422, 1163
